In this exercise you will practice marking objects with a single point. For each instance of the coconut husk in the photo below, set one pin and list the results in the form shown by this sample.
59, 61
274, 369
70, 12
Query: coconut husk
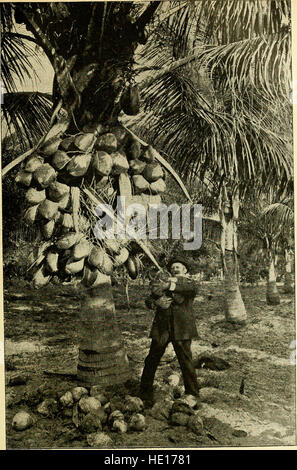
137, 166
31, 214
132, 267
158, 187
74, 266
134, 150
125, 186
47, 229
50, 148
60, 159
100, 280
89, 276
24, 178
122, 257
102, 163
64, 202
107, 142
107, 265
82, 249
67, 143
48, 209
149, 155
52, 261
152, 172
84, 142
119, 163
67, 221
68, 240
41, 278
78, 165
140, 184
56, 191
44, 175
33, 163
96, 257
33, 196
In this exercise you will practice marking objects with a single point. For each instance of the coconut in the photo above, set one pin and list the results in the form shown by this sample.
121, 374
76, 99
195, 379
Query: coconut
140, 184
89, 404
107, 265
35, 197
101, 280
96, 257
48, 229
30, 214
24, 178
107, 142
90, 423
22, 420
133, 404
137, 422
149, 155
66, 400
116, 415
84, 141
45, 175
125, 186
158, 186
102, 163
122, 257
119, 426
33, 164
82, 249
48, 209
52, 261
179, 419
78, 393
137, 166
67, 241
173, 380
56, 191
99, 439
64, 202
134, 150
93, 128
49, 148
152, 172
132, 267
79, 164
100, 396
120, 133
67, 142
161, 410
48, 407
119, 163
60, 159
74, 267
40, 279
58, 217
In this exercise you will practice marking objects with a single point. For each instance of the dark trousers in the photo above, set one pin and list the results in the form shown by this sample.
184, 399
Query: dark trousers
184, 356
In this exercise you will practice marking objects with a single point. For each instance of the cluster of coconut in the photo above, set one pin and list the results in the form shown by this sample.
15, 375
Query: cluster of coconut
54, 175
91, 412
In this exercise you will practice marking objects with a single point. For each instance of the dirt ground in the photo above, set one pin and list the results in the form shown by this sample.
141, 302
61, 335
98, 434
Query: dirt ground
40, 338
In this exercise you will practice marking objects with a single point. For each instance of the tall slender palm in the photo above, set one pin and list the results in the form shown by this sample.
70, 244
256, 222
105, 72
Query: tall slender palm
93, 56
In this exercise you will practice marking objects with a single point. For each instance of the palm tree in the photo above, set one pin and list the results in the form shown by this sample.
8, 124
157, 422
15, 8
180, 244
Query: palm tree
93, 56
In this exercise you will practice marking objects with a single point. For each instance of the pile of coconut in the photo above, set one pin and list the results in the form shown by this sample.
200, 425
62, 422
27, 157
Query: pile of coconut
96, 416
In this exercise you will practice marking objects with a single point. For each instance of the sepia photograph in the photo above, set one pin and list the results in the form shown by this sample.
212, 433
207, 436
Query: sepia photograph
147, 224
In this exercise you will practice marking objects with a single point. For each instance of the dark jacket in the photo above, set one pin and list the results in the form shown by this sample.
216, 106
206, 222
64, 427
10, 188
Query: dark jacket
179, 319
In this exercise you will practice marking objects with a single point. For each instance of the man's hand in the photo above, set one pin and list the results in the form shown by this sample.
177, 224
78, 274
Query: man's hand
164, 302
158, 288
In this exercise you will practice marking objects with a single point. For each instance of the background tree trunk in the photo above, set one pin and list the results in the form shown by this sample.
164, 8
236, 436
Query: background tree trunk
288, 280
272, 294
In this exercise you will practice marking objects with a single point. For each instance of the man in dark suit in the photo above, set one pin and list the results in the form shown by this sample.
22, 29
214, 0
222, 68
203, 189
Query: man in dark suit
174, 322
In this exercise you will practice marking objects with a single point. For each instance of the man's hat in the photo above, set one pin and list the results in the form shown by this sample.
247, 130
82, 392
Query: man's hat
179, 259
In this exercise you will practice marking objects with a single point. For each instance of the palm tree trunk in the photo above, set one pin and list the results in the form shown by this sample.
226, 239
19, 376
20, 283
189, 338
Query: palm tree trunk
102, 359
272, 295
235, 311
288, 281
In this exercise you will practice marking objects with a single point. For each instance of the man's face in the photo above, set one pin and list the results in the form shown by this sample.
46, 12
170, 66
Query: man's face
178, 269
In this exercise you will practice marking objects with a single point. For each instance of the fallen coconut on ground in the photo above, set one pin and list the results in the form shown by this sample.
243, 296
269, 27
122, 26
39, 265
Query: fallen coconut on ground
195, 424
22, 420
119, 426
133, 404
78, 393
90, 423
66, 400
48, 407
89, 404
137, 422
99, 439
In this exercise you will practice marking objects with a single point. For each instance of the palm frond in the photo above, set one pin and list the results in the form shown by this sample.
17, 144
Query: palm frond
27, 116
